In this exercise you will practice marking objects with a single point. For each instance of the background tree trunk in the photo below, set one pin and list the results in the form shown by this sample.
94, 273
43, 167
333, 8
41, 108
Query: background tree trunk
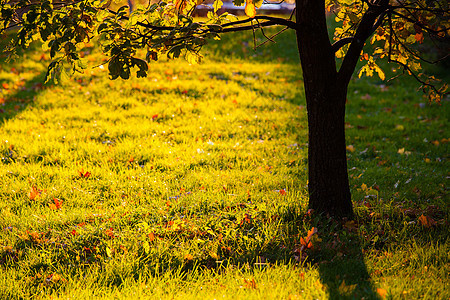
329, 190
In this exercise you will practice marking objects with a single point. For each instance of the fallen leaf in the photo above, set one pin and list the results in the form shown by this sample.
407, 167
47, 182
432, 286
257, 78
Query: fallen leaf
350, 148
34, 193
399, 127
427, 221
381, 292
84, 174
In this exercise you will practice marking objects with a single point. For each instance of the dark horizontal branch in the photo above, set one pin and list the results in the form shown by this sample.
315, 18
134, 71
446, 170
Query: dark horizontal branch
271, 21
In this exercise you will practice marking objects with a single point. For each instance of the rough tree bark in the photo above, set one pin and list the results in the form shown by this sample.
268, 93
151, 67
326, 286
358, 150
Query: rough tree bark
329, 190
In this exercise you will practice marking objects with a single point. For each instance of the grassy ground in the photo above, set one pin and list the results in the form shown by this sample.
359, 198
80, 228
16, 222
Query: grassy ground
192, 183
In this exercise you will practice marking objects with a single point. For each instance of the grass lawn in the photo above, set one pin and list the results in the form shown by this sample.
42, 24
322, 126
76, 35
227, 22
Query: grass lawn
192, 183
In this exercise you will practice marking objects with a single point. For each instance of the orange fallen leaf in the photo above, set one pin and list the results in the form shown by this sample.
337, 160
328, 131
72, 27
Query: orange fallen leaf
350, 148
381, 292
427, 221
306, 243
34, 193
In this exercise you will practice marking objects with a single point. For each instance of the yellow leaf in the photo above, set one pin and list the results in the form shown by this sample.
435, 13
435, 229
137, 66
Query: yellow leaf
401, 151
250, 9
350, 148
399, 127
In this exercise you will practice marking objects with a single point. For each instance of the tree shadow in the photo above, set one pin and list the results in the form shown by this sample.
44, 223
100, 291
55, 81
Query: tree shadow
341, 265
18, 96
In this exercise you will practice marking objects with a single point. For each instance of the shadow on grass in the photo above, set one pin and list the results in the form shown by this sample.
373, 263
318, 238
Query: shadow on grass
346, 276
339, 259
21, 97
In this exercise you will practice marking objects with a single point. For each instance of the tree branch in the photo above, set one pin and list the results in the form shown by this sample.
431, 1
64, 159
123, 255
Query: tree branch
373, 17
347, 40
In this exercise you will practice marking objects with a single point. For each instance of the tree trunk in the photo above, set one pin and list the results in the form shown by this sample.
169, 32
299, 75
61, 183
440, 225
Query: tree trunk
329, 191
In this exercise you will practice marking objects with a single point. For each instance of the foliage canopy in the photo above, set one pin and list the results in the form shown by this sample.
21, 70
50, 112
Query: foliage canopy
169, 28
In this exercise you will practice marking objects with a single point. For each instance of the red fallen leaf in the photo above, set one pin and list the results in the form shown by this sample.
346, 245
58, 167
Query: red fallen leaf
74, 232
247, 218
110, 232
57, 203
84, 174
283, 192
427, 221
151, 237
184, 92
155, 116
5, 86
34, 193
